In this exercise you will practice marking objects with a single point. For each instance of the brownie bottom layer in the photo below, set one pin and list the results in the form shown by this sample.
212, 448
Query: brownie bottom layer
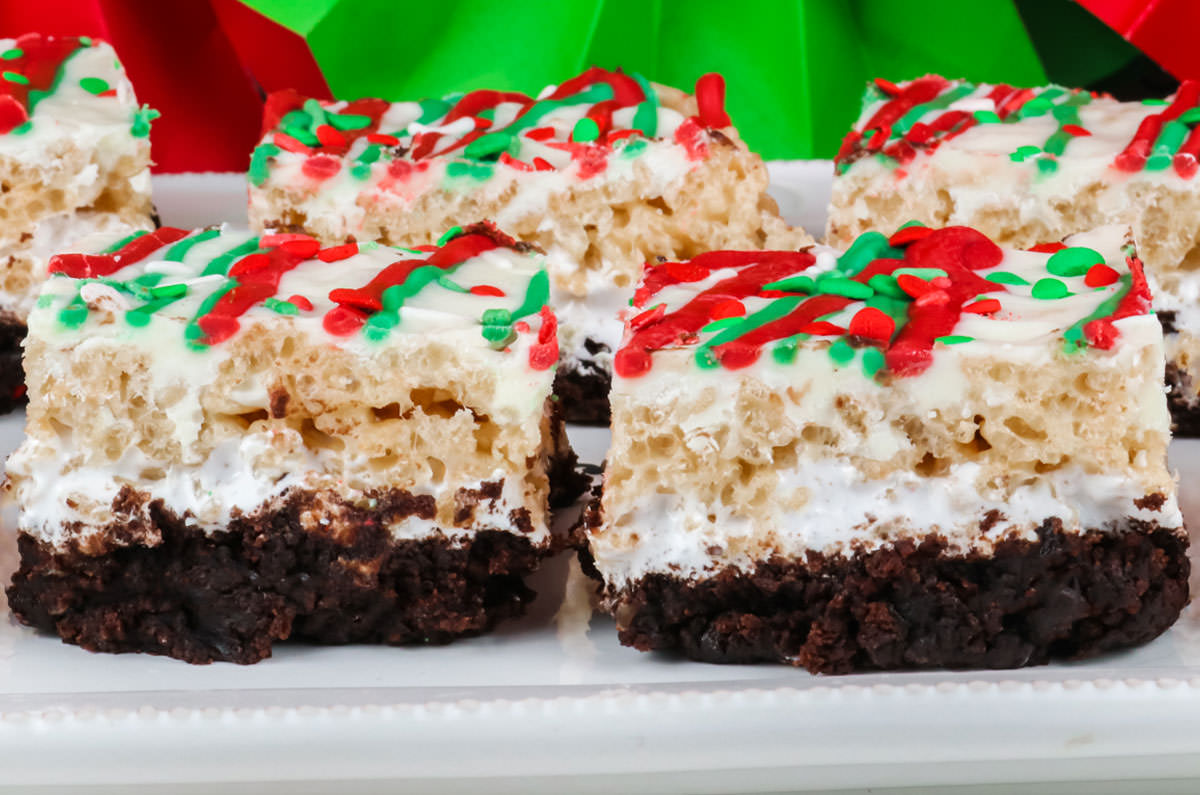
1064, 596
229, 595
582, 388
1182, 401
12, 374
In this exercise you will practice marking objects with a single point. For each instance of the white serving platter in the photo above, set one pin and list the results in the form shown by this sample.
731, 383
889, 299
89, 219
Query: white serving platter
552, 703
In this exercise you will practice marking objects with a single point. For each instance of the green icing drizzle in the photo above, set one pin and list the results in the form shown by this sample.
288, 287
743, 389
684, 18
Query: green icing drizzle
178, 251
259, 167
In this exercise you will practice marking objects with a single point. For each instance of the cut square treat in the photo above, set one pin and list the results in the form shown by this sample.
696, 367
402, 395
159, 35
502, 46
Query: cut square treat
1029, 165
74, 159
602, 172
234, 440
925, 452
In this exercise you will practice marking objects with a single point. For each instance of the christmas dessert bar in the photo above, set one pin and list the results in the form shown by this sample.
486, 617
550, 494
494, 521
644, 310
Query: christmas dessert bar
234, 440
1029, 165
74, 159
601, 171
925, 452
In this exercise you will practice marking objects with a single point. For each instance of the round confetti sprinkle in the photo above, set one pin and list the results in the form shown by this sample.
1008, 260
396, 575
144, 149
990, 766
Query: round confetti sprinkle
872, 361
1050, 289
1100, 275
841, 352
1074, 261
93, 85
586, 130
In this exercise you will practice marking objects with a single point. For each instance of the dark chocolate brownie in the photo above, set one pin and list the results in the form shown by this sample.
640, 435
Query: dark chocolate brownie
909, 606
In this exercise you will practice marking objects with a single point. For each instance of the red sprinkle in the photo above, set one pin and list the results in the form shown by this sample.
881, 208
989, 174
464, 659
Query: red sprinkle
321, 167
544, 354
383, 139
984, 307
541, 164
335, 253
872, 324
290, 144
512, 162
540, 133
301, 303
909, 234
487, 289
1100, 275
1075, 129
710, 98
823, 328
329, 136
913, 285
1048, 248
302, 248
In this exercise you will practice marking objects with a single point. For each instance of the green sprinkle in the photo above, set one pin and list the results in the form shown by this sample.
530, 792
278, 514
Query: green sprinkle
169, 291
872, 361
74, 314
1023, 153
1074, 261
1155, 101
94, 85
785, 351
793, 284
13, 77
866, 248
632, 147
302, 135
928, 274
347, 121
953, 339
465, 168
1005, 277
297, 118
12, 54
724, 322
986, 117
496, 317
85, 41
885, 284
137, 317
315, 112
491, 145
450, 285
645, 118
141, 121
259, 167
360, 171
282, 307
841, 351
1190, 116
1046, 165
21, 129
1050, 290
585, 130
837, 285
450, 234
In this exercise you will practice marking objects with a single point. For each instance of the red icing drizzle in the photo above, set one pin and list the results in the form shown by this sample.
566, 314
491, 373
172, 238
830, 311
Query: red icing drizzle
40, 60
592, 156
935, 311
355, 305
91, 266
1133, 157
544, 353
257, 277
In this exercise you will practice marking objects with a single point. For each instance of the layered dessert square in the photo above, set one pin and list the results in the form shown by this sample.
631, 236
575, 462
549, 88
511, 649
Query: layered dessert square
1027, 165
926, 451
235, 439
74, 159
602, 172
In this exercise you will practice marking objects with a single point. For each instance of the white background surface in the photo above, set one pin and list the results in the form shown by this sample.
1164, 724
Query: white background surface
554, 706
